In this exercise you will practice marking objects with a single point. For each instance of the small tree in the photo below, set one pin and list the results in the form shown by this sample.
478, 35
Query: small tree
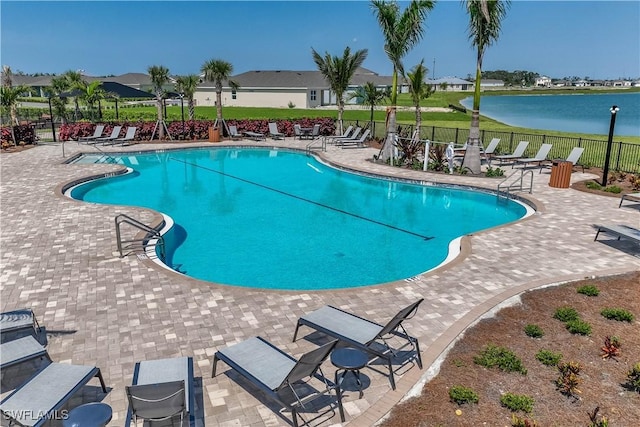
187, 85
217, 71
419, 89
93, 93
159, 77
371, 96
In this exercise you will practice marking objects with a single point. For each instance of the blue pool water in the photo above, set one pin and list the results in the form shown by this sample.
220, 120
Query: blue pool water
283, 220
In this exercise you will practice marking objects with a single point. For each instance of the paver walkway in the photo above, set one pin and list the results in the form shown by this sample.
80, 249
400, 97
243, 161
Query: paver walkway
58, 256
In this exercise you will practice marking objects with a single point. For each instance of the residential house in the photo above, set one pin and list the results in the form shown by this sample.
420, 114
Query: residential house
543, 81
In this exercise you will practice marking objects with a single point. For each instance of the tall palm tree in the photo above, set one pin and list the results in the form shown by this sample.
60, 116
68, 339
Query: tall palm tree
338, 71
187, 86
217, 71
485, 17
58, 86
93, 93
401, 31
419, 89
371, 96
159, 77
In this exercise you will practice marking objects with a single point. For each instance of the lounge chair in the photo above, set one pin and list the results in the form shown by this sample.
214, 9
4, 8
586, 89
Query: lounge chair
488, 152
276, 373
273, 131
256, 136
358, 142
115, 133
361, 333
21, 350
632, 196
18, 323
161, 389
97, 133
233, 132
517, 153
539, 158
356, 133
346, 134
36, 401
619, 230
127, 138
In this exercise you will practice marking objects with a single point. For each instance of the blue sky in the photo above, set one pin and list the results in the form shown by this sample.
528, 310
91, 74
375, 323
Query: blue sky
600, 40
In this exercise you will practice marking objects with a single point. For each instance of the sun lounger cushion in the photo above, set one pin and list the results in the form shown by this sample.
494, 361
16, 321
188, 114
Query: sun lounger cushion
20, 350
16, 322
621, 231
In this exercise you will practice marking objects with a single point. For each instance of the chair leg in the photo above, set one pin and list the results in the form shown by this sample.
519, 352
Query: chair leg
215, 364
99, 375
295, 333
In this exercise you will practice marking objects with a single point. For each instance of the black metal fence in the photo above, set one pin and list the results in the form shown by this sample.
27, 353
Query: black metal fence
625, 156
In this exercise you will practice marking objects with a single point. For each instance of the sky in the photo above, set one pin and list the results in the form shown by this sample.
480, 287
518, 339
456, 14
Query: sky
595, 39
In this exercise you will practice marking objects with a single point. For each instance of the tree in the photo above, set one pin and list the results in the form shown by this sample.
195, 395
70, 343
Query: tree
187, 86
58, 86
485, 17
419, 89
159, 77
338, 72
371, 96
401, 33
217, 71
92, 93
74, 81
9, 95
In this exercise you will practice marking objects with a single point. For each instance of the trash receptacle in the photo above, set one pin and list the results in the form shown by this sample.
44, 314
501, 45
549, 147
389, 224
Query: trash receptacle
560, 173
214, 134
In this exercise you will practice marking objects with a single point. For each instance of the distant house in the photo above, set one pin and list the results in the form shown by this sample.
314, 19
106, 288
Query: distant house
283, 88
491, 83
543, 81
450, 84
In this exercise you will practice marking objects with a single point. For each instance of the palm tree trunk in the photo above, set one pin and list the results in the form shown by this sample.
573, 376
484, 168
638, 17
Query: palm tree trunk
472, 153
219, 107
160, 120
371, 119
418, 119
340, 114
14, 123
192, 109
387, 149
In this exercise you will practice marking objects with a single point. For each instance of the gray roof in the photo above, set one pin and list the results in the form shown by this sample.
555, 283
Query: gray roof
449, 81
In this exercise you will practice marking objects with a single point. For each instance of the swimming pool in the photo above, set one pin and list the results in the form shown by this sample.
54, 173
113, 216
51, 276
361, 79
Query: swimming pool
280, 219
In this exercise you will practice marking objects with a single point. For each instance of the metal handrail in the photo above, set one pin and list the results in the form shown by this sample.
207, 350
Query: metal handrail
152, 233
519, 183
323, 145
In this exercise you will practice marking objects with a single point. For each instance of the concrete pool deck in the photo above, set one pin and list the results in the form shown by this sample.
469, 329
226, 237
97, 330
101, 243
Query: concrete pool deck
58, 257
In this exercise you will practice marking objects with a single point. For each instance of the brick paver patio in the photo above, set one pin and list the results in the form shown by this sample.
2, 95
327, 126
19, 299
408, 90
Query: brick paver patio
58, 257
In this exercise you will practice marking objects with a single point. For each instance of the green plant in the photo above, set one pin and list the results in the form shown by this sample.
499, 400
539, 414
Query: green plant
291, 105
548, 357
618, 314
593, 185
458, 363
517, 402
500, 357
593, 416
461, 395
533, 331
611, 347
633, 378
516, 421
613, 189
568, 381
565, 314
493, 173
589, 290
578, 327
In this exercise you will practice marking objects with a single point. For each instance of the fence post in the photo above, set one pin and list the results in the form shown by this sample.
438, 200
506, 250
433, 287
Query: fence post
433, 133
456, 135
618, 158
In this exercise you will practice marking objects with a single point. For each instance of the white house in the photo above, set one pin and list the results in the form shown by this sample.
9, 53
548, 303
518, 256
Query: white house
543, 81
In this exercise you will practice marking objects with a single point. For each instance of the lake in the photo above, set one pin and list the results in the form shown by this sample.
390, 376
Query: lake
578, 113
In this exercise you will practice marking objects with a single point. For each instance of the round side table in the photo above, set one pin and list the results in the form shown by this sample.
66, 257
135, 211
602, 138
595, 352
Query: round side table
348, 359
95, 414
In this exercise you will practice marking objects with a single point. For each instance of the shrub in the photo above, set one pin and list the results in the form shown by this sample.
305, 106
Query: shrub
613, 189
493, 173
618, 314
578, 327
500, 357
533, 331
611, 347
593, 416
461, 395
517, 402
568, 381
548, 357
522, 422
633, 378
593, 185
589, 290
565, 314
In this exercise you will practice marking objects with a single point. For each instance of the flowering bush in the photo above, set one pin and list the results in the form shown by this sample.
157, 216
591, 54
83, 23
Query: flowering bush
24, 133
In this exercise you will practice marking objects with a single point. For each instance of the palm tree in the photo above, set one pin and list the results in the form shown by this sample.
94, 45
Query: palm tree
59, 104
419, 89
159, 77
401, 33
371, 96
91, 94
217, 71
338, 71
187, 86
74, 81
485, 17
